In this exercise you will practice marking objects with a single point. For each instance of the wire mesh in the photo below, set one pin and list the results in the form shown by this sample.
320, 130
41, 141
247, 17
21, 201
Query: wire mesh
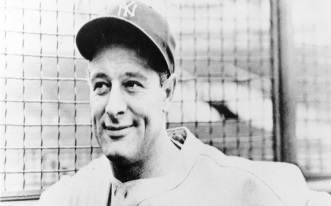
313, 57
44, 98
223, 95
217, 97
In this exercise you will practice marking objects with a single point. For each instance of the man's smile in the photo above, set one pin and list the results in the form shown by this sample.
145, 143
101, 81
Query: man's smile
115, 132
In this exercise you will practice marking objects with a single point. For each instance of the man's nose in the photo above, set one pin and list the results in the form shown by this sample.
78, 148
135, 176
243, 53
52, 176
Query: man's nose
116, 105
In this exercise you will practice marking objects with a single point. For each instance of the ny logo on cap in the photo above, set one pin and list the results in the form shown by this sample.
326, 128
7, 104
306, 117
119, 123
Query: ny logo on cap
127, 8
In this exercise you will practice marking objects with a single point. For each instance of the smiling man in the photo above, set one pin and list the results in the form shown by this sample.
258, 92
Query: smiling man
128, 104
132, 81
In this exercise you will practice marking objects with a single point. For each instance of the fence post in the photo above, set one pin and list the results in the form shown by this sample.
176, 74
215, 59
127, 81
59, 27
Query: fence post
283, 85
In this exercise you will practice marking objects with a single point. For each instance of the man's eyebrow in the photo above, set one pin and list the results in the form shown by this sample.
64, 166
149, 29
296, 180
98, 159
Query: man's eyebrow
136, 75
98, 75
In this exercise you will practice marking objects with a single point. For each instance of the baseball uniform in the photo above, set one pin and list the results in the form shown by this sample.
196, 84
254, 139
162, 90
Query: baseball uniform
205, 177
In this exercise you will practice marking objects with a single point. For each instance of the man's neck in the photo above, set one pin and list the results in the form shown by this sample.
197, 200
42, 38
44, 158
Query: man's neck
160, 162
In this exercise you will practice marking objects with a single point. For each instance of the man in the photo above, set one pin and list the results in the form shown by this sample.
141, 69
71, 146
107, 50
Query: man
132, 81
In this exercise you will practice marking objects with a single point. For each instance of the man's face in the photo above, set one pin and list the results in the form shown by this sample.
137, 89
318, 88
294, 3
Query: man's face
126, 105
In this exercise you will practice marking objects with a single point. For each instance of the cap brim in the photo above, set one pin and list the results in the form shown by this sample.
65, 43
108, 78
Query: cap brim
107, 30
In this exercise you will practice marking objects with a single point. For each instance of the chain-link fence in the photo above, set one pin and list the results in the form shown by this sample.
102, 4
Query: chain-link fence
224, 94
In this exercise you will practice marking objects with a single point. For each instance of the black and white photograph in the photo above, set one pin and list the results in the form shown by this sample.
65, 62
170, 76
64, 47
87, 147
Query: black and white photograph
165, 102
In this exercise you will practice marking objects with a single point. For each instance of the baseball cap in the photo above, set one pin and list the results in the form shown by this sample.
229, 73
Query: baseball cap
128, 20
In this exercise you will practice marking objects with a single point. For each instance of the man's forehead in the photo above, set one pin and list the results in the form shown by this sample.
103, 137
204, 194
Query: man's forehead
121, 65
104, 73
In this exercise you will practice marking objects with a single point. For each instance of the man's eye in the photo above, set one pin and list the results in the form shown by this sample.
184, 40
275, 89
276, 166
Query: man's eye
101, 87
132, 85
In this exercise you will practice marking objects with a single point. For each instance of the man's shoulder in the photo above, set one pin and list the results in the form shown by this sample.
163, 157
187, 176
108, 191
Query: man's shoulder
97, 168
260, 169
71, 190
283, 181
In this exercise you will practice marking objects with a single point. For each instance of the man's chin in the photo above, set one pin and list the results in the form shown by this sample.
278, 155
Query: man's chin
118, 158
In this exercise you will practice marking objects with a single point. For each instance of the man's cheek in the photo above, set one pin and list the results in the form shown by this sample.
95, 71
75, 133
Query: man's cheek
97, 108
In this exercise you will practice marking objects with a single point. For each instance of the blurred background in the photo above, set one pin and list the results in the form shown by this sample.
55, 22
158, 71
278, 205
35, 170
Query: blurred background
254, 81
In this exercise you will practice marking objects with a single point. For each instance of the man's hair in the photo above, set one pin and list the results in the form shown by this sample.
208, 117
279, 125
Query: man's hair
143, 48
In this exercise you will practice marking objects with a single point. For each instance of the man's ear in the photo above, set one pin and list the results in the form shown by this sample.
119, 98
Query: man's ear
168, 86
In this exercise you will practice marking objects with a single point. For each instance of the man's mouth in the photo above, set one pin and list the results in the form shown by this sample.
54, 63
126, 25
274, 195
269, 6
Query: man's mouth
115, 132
116, 128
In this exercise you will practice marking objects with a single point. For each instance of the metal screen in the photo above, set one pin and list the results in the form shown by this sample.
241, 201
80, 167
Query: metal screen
45, 123
223, 94
313, 60
224, 73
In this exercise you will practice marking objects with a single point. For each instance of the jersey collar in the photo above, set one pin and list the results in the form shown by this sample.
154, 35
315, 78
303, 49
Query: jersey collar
136, 191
